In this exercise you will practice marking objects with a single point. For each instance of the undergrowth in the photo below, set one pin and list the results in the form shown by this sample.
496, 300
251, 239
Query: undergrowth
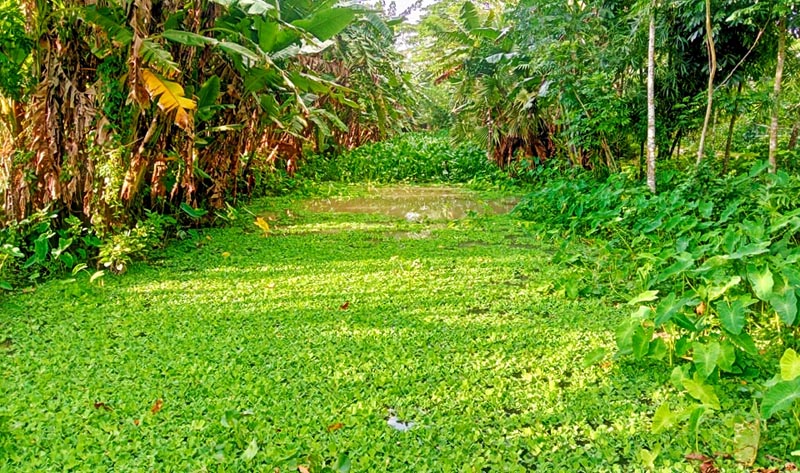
415, 157
709, 268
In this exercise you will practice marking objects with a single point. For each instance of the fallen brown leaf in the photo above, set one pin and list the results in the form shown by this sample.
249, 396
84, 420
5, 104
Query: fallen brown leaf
700, 309
708, 467
136, 422
102, 405
302, 469
335, 427
697, 457
790, 467
157, 406
345, 306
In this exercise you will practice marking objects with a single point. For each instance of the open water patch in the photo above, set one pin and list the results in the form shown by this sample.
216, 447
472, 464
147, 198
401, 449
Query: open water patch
416, 203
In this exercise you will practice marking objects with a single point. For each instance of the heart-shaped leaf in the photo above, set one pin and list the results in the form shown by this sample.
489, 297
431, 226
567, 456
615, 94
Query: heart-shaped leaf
790, 365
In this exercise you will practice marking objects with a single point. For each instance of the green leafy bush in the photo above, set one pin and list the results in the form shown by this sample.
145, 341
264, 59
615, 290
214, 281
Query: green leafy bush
38, 247
120, 249
412, 157
710, 266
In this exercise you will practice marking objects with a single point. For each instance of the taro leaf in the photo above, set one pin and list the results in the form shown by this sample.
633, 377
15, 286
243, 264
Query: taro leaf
732, 316
682, 321
678, 376
646, 296
745, 342
192, 212
668, 307
624, 335
664, 419
751, 250
785, 305
695, 418
713, 262
790, 365
701, 391
780, 397
727, 356
640, 341
761, 281
684, 262
745, 441
717, 291
706, 356
658, 349
251, 451
682, 346
705, 208
594, 357
41, 247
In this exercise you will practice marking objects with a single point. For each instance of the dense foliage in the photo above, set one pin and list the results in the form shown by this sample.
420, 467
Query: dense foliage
413, 157
567, 80
709, 267
139, 105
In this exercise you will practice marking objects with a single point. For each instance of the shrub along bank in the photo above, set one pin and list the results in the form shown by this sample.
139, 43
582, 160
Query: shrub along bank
709, 267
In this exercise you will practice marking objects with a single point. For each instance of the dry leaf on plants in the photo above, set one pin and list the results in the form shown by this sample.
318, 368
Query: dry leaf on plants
157, 406
335, 427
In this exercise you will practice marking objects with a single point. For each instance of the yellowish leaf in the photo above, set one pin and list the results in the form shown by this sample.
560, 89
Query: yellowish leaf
262, 224
226, 254
171, 97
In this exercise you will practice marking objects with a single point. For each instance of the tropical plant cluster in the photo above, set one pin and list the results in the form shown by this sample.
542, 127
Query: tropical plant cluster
124, 113
709, 269
125, 106
415, 157
568, 81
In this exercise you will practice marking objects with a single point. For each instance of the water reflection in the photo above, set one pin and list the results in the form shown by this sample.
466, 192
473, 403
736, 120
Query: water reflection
417, 203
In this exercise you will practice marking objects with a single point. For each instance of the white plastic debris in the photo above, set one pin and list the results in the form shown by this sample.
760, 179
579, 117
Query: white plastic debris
398, 424
413, 217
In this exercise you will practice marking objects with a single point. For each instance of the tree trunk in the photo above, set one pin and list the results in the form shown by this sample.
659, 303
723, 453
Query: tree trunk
793, 136
776, 96
731, 126
676, 145
651, 101
712, 71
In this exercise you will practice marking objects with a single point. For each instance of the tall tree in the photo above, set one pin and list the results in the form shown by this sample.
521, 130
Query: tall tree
776, 95
651, 100
712, 70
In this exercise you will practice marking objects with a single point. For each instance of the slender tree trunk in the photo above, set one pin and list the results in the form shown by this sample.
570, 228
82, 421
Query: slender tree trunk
776, 96
793, 136
651, 101
731, 126
676, 144
712, 71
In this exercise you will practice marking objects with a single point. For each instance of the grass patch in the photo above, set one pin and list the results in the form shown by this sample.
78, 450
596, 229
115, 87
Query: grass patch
239, 352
